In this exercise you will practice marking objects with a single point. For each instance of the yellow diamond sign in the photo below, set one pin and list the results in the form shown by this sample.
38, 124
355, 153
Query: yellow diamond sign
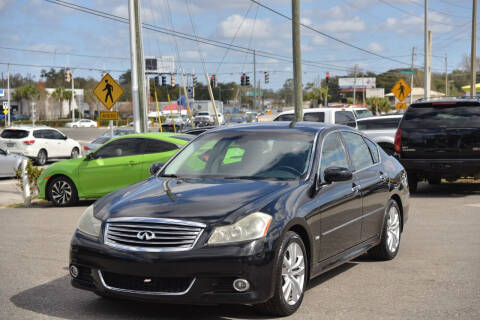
401, 90
108, 91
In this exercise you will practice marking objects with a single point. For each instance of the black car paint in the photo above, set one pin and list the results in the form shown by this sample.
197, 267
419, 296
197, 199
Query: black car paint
308, 206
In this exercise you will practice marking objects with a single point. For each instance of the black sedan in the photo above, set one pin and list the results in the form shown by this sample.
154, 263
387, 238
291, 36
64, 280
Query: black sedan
246, 214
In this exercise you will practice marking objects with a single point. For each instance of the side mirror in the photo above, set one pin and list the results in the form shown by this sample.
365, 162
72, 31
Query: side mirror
333, 174
65, 137
154, 168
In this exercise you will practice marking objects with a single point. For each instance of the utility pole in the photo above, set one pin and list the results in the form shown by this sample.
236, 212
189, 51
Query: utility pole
8, 94
426, 88
363, 91
297, 61
446, 75
354, 83
138, 67
73, 96
429, 65
411, 76
254, 80
473, 57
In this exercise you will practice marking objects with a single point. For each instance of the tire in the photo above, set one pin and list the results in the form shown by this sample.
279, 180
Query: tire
278, 305
41, 158
391, 234
412, 182
75, 153
62, 191
435, 181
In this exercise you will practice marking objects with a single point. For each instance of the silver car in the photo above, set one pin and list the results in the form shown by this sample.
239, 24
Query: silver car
9, 162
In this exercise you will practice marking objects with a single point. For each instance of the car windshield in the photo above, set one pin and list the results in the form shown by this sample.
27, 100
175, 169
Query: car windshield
244, 155
363, 113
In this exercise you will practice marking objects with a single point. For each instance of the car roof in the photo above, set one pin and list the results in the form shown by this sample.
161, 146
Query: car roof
303, 126
317, 110
386, 116
167, 136
469, 100
29, 127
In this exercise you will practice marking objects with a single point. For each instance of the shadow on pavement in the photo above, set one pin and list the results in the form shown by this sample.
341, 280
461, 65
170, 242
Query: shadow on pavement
58, 298
446, 189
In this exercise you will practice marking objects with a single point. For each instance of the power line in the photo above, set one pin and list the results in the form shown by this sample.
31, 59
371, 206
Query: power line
439, 11
63, 53
330, 36
59, 67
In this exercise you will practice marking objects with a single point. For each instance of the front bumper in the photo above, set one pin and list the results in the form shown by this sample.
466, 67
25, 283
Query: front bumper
208, 271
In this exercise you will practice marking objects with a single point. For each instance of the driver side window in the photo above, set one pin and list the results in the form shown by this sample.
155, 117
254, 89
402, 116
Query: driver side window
333, 153
119, 148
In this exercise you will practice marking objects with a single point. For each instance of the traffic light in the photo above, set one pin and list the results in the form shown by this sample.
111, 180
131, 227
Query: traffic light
67, 75
247, 80
164, 81
327, 77
194, 79
267, 77
242, 79
172, 80
157, 81
213, 81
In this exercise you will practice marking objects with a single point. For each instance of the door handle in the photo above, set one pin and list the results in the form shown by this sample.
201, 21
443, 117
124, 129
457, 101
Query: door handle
355, 187
383, 177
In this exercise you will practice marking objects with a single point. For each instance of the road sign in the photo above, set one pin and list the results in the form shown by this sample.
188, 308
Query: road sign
5, 105
2, 92
108, 115
251, 93
108, 91
5, 111
401, 106
408, 71
401, 90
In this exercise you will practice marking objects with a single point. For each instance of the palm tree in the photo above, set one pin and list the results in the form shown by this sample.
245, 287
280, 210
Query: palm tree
60, 94
28, 92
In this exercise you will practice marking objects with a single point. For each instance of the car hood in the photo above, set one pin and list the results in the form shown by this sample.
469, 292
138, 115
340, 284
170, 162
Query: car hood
65, 166
201, 200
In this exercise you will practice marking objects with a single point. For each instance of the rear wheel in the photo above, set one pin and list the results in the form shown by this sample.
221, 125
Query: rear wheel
390, 242
62, 191
41, 157
74, 154
290, 277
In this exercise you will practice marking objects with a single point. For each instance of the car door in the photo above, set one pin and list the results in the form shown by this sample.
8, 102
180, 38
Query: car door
339, 205
44, 140
371, 182
113, 166
62, 148
7, 164
155, 150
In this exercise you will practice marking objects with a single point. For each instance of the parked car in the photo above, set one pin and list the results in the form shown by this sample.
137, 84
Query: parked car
237, 118
246, 214
39, 143
120, 162
251, 116
149, 123
203, 121
9, 163
381, 129
19, 117
440, 139
82, 123
95, 144
168, 124
119, 132
325, 115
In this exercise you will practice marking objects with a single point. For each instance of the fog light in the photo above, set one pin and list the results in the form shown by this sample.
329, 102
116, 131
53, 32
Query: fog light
241, 285
73, 271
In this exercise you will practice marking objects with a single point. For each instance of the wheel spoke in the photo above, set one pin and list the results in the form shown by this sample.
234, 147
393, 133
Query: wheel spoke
287, 291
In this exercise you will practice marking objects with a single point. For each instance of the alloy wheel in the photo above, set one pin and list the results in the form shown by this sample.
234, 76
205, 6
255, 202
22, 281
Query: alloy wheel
293, 273
393, 229
61, 192
74, 153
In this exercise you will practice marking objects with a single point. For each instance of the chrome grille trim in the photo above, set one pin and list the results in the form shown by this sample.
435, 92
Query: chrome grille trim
171, 235
155, 293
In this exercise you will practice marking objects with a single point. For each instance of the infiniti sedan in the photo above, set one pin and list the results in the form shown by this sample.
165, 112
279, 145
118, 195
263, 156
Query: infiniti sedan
246, 214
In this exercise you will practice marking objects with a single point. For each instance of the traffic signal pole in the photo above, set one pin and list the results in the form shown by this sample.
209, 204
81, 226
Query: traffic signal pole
212, 98
188, 102
254, 80
297, 61
473, 55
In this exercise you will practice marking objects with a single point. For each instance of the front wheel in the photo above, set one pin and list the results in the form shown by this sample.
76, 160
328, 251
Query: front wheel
290, 277
62, 191
41, 157
390, 242
74, 154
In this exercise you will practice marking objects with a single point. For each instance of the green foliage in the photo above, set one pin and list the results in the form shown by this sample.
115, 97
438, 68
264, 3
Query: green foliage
32, 174
380, 104
27, 92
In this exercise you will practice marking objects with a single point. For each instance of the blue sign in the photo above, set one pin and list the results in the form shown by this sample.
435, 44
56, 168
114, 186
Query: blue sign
2, 92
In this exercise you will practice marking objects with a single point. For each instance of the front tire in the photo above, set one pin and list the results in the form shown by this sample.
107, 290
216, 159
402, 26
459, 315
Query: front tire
62, 191
391, 234
289, 276
41, 158
74, 154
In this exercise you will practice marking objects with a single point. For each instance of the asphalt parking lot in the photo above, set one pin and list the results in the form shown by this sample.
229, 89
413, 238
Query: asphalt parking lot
436, 274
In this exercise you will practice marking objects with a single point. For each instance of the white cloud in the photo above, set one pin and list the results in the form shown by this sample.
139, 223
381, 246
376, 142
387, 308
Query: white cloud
318, 40
261, 28
415, 24
375, 47
352, 25
5, 3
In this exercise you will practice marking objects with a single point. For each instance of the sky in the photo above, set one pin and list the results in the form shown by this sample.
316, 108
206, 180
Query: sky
83, 41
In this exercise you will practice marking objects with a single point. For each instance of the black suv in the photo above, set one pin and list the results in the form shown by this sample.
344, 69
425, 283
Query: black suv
440, 139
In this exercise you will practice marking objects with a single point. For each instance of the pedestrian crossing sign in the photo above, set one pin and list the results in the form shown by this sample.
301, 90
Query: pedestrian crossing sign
108, 91
401, 90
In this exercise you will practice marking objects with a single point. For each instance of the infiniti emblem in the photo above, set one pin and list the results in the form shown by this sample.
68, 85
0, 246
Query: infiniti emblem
146, 235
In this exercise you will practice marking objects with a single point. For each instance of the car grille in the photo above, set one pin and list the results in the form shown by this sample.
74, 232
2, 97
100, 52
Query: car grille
145, 285
152, 234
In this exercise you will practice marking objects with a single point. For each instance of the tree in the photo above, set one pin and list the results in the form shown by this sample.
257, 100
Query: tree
379, 105
26, 92
60, 94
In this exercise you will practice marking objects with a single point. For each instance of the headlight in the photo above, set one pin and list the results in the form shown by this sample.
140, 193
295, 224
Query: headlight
253, 226
89, 224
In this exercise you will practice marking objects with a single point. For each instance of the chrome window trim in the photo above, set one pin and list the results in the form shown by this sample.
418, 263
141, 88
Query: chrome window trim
107, 242
155, 293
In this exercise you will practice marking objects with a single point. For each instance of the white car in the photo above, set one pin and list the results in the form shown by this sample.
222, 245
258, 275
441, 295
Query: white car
343, 116
39, 143
381, 129
83, 123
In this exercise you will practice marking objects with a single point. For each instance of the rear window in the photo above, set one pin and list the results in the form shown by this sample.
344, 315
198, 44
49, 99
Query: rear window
431, 116
378, 124
345, 118
14, 134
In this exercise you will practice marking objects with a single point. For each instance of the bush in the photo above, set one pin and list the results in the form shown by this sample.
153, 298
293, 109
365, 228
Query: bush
32, 174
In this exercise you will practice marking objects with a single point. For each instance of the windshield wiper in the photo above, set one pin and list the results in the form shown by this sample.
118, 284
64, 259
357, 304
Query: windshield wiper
169, 176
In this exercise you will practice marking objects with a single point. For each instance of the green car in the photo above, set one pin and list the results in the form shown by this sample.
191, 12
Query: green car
120, 162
